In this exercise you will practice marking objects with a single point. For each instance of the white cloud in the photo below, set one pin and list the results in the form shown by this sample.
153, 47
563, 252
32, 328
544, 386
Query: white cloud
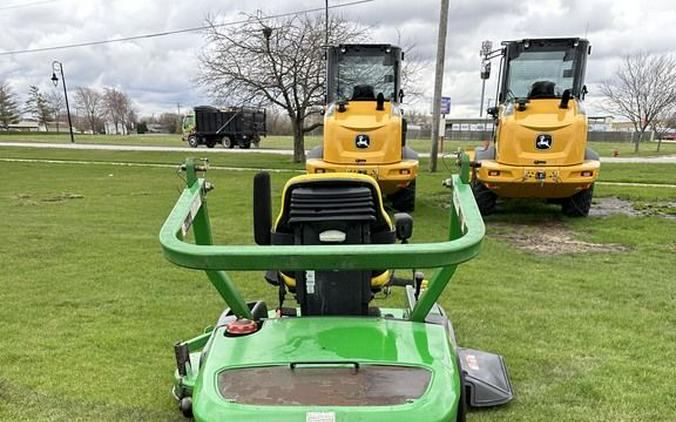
158, 72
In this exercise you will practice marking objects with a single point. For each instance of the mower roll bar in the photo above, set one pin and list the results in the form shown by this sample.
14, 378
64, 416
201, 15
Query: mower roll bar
466, 231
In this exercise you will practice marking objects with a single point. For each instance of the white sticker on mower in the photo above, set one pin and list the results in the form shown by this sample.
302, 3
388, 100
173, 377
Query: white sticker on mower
194, 208
459, 212
310, 282
472, 362
320, 417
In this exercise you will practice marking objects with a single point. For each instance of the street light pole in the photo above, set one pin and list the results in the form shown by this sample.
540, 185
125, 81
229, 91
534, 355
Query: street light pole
56, 65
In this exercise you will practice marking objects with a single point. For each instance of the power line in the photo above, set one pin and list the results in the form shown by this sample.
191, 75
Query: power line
22, 5
177, 31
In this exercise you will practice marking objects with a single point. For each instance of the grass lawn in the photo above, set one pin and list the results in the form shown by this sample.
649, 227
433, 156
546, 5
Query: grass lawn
91, 309
605, 149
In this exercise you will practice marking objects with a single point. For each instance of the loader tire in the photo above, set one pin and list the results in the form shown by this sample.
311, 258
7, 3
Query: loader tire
579, 204
404, 200
485, 198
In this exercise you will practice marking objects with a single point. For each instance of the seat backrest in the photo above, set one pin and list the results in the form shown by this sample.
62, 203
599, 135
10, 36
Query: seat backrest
332, 209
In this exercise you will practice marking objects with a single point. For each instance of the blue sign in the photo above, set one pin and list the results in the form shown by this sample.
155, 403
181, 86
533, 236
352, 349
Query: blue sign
445, 105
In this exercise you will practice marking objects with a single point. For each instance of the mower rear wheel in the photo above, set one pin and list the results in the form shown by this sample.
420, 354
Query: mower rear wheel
486, 199
579, 204
404, 200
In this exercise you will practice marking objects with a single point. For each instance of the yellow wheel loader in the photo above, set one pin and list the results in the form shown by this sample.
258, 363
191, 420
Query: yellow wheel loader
364, 127
539, 148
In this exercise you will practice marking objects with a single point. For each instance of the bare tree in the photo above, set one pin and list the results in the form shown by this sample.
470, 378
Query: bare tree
666, 123
413, 69
57, 105
9, 111
90, 103
278, 62
117, 106
643, 89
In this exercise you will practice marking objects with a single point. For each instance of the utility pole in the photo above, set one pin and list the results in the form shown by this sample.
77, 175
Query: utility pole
326, 23
438, 83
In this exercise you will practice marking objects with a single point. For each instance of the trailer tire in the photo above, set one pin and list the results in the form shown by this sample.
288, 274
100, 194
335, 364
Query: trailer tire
404, 200
579, 204
227, 142
193, 142
485, 198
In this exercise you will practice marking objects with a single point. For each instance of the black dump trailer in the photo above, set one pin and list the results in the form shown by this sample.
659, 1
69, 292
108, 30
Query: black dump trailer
241, 126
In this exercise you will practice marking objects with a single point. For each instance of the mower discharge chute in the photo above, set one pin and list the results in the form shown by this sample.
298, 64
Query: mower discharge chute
333, 356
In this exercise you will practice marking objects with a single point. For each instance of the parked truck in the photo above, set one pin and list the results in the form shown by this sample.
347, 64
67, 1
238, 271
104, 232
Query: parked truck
235, 126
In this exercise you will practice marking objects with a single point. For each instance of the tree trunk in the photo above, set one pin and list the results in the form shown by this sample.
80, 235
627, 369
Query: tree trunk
637, 141
298, 141
659, 143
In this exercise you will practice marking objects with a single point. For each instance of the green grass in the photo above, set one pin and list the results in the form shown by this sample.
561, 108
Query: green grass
91, 310
605, 149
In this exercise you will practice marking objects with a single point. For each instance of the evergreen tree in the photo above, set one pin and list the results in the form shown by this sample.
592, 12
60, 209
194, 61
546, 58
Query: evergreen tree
38, 106
9, 111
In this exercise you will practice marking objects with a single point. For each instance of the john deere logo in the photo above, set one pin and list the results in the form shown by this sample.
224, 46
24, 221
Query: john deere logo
543, 141
362, 141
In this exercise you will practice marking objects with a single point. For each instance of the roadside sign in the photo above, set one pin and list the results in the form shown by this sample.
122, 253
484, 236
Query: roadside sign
445, 105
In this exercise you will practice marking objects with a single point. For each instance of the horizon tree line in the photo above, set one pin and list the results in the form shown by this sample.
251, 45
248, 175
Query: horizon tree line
92, 109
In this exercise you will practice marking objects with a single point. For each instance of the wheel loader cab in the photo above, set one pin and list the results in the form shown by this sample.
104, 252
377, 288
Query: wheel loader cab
364, 127
329, 209
540, 148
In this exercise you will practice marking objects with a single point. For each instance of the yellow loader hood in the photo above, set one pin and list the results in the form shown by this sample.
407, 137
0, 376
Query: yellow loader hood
543, 134
363, 135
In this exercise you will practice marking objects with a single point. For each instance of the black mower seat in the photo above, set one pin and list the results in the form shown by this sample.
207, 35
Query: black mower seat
333, 208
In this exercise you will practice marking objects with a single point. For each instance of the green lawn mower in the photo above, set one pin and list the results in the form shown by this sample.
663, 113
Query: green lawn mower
332, 356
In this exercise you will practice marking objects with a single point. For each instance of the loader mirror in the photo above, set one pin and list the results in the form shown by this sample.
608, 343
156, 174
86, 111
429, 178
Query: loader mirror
403, 224
401, 96
492, 111
262, 209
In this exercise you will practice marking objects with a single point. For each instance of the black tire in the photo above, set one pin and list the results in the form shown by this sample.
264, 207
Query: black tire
579, 204
211, 144
404, 200
485, 198
227, 142
245, 145
193, 142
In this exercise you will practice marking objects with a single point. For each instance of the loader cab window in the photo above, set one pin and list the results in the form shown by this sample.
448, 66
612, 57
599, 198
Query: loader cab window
361, 74
540, 74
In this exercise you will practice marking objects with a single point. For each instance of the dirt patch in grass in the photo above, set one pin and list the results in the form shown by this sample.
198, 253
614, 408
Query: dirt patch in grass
28, 199
602, 207
62, 197
548, 239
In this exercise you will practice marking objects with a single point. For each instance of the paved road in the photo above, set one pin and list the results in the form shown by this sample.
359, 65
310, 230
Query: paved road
218, 150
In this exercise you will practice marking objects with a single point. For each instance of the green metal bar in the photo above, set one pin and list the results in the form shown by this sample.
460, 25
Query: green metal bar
197, 343
202, 231
429, 297
322, 257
